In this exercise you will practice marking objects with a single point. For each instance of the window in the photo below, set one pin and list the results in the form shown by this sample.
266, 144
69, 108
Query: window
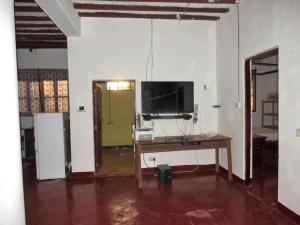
63, 95
120, 85
35, 105
43, 91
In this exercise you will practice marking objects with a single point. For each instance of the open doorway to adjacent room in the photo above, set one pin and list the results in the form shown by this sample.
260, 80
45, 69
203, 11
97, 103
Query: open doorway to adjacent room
262, 125
44, 93
114, 117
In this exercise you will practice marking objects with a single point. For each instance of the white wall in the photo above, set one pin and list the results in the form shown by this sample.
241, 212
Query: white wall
264, 25
42, 59
11, 184
118, 49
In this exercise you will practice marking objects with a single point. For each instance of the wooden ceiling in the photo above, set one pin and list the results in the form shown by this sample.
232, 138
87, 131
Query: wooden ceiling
154, 9
34, 29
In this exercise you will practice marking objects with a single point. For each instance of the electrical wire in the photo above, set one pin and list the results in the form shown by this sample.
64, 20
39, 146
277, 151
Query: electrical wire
184, 11
152, 58
181, 131
193, 170
162, 128
145, 161
150, 55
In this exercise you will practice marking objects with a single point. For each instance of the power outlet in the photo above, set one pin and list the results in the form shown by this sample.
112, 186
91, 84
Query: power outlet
152, 158
238, 105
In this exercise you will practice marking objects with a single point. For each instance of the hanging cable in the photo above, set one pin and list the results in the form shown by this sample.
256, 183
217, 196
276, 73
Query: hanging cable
145, 160
178, 16
186, 7
150, 55
152, 62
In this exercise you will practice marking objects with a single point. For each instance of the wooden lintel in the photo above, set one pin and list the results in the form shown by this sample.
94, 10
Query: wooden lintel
147, 16
264, 55
93, 6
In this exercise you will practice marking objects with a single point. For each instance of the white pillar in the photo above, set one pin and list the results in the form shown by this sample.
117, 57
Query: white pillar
11, 182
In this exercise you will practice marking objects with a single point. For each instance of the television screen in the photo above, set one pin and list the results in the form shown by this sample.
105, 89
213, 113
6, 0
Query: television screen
167, 97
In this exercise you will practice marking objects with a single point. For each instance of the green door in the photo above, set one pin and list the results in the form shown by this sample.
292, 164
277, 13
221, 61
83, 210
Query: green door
117, 117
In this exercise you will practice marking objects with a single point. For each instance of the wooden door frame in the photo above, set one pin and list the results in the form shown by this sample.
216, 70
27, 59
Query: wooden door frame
96, 113
96, 130
248, 113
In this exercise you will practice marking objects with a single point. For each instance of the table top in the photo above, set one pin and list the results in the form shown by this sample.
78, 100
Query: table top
181, 139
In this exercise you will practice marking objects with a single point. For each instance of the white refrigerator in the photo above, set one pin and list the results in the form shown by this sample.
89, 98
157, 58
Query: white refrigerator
50, 146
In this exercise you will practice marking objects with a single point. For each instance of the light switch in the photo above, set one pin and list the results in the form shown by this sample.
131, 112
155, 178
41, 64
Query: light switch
298, 132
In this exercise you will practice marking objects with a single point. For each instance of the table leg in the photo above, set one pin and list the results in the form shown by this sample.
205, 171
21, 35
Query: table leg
229, 160
138, 167
217, 160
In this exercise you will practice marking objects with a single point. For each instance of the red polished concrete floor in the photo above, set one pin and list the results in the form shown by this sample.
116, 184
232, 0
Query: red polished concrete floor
265, 180
188, 200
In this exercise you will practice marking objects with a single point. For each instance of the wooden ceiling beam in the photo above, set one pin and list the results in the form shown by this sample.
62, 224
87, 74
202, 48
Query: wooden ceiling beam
24, 1
181, 1
40, 37
265, 64
92, 6
35, 25
28, 9
266, 73
32, 18
38, 31
41, 44
147, 16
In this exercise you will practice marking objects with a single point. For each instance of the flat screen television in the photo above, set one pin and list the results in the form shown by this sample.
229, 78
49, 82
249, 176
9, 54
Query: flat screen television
167, 97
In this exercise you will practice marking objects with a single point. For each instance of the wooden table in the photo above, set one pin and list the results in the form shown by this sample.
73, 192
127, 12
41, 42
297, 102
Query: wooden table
175, 143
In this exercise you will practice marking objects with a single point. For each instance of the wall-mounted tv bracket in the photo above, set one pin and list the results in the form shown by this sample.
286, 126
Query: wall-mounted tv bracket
148, 117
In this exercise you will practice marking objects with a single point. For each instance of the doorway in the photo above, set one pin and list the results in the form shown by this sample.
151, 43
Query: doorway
261, 85
114, 117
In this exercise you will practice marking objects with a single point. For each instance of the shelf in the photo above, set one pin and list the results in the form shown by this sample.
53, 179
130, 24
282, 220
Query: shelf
273, 113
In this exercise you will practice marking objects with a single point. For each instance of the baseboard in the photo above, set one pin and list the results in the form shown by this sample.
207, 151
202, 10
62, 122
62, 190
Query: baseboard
92, 175
236, 179
110, 175
289, 213
119, 147
182, 169
82, 175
